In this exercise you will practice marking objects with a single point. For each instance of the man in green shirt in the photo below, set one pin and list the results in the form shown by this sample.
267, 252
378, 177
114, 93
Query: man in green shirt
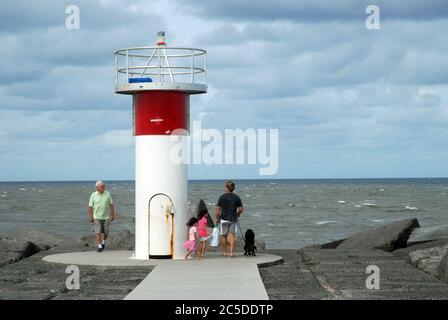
101, 213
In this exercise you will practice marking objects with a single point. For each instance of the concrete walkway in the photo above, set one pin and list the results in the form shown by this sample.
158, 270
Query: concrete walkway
212, 278
111, 258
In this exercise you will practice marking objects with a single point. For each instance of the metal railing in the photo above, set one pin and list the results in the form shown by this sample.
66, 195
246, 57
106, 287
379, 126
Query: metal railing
161, 64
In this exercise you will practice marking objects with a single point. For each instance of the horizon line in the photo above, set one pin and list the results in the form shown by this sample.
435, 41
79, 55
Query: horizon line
236, 179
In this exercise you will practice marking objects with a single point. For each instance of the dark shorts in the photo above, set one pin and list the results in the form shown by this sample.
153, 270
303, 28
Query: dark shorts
102, 226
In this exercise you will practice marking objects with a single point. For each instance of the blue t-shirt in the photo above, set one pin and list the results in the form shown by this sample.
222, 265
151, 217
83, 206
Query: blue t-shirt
229, 202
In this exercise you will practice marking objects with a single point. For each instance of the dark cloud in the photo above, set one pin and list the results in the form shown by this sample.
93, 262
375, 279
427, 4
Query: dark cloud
313, 10
48, 67
22, 15
41, 15
252, 63
42, 43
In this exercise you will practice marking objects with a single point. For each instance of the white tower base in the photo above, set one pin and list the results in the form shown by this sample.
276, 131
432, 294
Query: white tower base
161, 191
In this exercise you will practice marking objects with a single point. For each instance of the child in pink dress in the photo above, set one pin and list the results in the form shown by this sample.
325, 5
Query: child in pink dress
190, 244
202, 232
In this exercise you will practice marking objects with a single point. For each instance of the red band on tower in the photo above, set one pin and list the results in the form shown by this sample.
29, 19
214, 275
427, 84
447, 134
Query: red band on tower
160, 112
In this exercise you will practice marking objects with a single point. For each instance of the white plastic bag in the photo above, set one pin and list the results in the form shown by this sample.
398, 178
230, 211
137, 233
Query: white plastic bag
215, 237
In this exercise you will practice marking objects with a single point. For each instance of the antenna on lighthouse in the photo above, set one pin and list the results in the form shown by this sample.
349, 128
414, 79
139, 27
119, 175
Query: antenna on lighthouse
161, 38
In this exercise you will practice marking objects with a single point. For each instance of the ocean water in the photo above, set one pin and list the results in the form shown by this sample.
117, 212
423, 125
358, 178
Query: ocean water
283, 213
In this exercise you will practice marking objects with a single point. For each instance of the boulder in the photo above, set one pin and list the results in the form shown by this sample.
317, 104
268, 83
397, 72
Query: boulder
429, 234
43, 240
197, 206
442, 270
404, 252
15, 250
388, 238
429, 259
330, 245
124, 240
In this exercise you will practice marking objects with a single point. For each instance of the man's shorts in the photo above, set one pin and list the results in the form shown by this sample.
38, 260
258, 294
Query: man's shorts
102, 226
227, 226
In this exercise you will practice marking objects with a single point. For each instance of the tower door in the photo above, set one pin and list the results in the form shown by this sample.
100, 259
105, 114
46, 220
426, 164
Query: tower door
161, 224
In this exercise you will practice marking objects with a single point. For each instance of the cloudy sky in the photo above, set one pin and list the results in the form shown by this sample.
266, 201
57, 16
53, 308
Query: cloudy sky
348, 102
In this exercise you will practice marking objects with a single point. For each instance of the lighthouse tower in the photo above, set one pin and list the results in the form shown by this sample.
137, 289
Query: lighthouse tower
160, 80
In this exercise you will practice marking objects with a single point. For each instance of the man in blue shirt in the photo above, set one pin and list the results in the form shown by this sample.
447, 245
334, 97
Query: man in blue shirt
228, 209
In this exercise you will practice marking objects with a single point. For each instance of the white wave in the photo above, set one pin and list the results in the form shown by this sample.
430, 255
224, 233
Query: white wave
247, 195
292, 205
381, 189
255, 215
271, 224
325, 222
23, 189
4, 196
369, 204
378, 220
341, 201
358, 206
410, 208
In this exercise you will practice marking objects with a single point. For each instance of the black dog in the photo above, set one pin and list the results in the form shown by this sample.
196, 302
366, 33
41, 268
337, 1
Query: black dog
249, 244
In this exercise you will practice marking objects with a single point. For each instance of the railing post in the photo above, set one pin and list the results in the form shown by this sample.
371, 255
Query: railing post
192, 66
116, 69
158, 54
127, 65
